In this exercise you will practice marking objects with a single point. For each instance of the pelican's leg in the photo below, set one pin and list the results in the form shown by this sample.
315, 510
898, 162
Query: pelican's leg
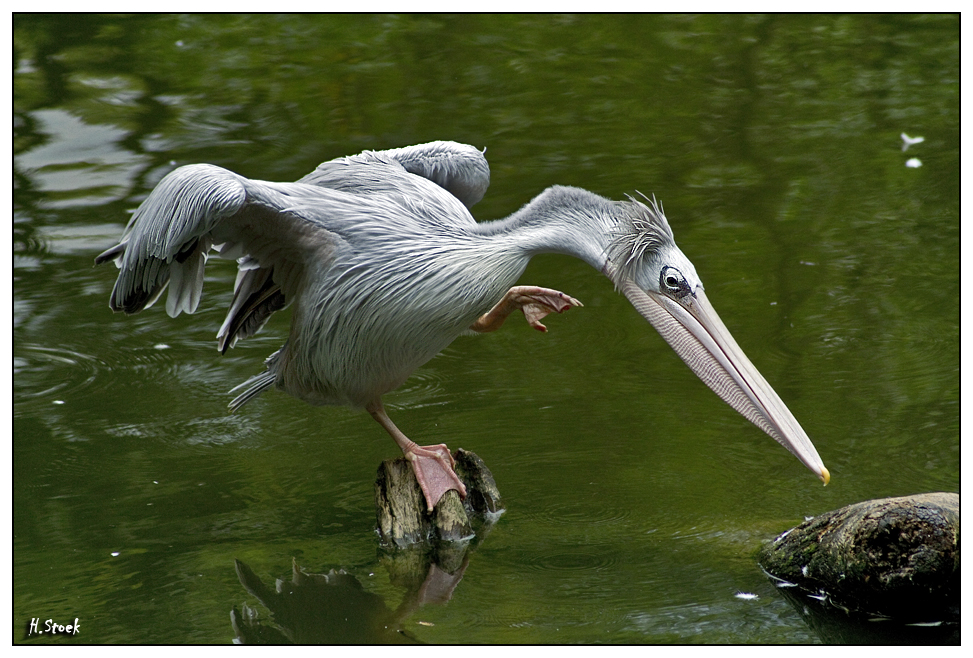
533, 301
433, 465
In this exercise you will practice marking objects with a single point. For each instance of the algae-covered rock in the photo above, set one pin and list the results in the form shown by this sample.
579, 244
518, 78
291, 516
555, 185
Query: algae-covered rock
893, 557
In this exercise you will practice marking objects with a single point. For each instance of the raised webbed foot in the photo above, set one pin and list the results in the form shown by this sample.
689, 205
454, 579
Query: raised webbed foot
535, 303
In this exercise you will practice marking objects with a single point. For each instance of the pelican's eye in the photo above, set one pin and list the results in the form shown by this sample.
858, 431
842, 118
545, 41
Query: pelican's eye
672, 282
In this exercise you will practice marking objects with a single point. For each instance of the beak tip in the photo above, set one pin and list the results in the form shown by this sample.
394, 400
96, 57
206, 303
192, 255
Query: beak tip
825, 476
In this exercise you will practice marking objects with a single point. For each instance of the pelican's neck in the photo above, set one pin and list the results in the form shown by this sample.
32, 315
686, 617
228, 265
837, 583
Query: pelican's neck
562, 220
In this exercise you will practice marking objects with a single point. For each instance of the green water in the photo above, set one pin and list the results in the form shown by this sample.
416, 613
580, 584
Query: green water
635, 497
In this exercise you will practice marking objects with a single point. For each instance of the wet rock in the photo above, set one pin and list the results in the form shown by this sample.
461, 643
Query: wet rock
892, 558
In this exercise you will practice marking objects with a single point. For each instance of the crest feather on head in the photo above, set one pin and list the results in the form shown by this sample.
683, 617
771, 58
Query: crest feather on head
639, 235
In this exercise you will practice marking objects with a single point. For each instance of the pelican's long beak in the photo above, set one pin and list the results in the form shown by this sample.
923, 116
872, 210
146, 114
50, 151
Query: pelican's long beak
700, 338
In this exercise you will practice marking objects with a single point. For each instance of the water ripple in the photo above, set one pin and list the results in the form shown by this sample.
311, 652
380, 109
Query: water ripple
55, 373
575, 513
579, 559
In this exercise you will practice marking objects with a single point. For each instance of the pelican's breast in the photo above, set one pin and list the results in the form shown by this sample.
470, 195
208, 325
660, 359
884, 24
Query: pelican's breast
389, 305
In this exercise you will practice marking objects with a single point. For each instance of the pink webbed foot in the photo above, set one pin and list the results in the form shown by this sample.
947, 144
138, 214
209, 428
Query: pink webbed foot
535, 303
433, 466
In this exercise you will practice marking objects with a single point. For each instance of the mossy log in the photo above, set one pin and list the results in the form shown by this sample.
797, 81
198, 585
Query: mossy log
401, 510
893, 557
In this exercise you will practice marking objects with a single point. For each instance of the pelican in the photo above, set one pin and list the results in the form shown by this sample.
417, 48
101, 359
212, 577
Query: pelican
385, 266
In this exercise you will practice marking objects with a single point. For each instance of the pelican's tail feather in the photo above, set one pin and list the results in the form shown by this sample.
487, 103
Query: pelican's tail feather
258, 383
253, 387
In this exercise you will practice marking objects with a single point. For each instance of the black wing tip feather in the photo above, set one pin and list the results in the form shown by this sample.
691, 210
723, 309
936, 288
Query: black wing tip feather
258, 309
112, 254
136, 300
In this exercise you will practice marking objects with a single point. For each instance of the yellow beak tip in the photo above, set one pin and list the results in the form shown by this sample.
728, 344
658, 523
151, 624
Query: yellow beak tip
825, 476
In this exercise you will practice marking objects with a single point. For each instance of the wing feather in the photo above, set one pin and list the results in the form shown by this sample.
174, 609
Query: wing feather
460, 169
198, 206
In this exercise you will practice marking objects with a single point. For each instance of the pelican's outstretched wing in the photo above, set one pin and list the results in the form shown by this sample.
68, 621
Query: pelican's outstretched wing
460, 169
198, 207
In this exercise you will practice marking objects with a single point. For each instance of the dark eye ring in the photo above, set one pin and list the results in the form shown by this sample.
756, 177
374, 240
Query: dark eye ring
673, 281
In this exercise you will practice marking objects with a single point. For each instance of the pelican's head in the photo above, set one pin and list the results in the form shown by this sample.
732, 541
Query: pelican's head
647, 266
